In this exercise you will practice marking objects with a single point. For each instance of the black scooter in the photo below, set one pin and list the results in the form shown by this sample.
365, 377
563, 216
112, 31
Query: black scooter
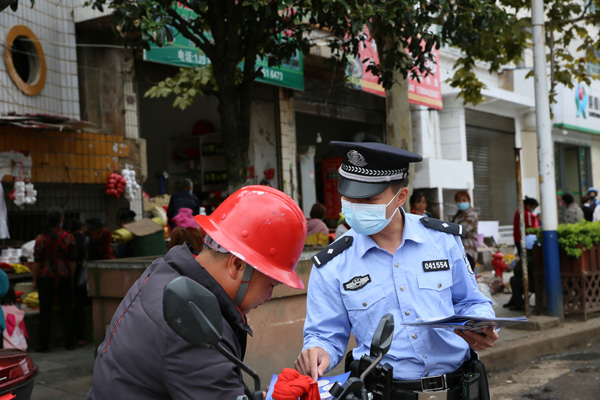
193, 313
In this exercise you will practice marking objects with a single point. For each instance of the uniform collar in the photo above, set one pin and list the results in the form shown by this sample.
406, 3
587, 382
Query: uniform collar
413, 230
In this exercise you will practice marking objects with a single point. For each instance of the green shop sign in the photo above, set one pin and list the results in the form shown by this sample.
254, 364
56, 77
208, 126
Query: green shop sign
184, 53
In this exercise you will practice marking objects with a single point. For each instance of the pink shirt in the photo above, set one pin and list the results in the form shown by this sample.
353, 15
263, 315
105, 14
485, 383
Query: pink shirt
316, 226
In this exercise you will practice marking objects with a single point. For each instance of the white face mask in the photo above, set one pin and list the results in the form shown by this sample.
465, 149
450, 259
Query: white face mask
367, 219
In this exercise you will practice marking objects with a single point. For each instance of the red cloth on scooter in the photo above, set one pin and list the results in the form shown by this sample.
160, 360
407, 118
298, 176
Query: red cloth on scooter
291, 384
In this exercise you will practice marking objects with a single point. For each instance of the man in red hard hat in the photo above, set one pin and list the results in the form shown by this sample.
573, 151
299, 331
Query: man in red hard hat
254, 241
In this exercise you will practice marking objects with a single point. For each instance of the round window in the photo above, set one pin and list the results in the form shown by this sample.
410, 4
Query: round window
24, 59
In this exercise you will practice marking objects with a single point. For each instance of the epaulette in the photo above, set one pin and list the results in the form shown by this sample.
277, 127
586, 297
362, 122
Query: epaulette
443, 226
335, 248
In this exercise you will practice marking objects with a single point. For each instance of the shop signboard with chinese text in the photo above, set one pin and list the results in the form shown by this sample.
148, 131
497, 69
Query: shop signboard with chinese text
578, 108
427, 92
182, 52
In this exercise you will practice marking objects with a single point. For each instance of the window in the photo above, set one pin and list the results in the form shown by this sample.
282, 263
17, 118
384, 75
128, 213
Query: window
24, 59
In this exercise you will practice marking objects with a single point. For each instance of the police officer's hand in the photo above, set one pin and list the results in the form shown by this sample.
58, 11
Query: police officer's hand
479, 341
312, 362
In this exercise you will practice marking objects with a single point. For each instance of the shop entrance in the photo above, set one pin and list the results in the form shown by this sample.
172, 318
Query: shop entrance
318, 162
573, 169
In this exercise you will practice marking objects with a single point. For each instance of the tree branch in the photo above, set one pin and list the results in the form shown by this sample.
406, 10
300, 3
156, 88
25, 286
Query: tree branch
199, 38
582, 17
216, 21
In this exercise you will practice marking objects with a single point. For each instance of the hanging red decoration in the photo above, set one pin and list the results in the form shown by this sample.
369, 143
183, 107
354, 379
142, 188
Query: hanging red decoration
269, 173
115, 185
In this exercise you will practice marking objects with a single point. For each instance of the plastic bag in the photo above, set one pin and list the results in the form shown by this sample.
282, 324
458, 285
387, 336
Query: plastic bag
15, 335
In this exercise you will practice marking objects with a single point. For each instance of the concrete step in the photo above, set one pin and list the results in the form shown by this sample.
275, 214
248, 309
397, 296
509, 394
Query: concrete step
528, 346
537, 323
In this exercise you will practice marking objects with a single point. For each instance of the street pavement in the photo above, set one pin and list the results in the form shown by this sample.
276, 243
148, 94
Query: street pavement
63, 374
571, 375
67, 374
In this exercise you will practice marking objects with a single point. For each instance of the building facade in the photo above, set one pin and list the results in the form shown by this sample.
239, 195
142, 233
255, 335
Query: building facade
43, 138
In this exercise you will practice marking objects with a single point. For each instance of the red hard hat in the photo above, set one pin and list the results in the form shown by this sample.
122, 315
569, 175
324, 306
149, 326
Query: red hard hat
264, 227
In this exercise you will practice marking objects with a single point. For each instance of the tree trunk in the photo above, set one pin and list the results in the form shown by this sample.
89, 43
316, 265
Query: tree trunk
397, 111
235, 127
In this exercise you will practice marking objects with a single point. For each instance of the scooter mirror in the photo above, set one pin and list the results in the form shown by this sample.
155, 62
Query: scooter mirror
193, 312
382, 339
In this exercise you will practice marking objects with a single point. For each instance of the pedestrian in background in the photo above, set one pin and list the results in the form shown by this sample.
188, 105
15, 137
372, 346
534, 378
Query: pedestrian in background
82, 244
418, 204
4, 288
124, 216
587, 206
593, 193
467, 217
187, 230
573, 213
100, 240
317, 233
531, 221
315, 222
519, 296
55, 254
184, 198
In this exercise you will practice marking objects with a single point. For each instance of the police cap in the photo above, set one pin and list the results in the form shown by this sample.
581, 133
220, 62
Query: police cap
369, 168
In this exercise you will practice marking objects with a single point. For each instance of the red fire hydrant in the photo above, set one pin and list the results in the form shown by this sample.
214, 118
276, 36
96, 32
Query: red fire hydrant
499, 265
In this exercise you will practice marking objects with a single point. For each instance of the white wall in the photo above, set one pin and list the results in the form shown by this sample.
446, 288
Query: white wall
53, 24
263, 141
452, 131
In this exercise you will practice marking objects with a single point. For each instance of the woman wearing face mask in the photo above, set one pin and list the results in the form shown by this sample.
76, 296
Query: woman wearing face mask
467, 217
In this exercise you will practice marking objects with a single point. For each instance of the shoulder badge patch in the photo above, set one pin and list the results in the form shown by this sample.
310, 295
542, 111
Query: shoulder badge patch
468, 264
357, 282
329, 252
442, 226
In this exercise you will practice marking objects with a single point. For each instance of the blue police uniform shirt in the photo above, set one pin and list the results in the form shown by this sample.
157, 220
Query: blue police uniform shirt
351, 292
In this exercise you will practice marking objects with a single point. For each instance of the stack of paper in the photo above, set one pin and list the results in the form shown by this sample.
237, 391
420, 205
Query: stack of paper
467, 323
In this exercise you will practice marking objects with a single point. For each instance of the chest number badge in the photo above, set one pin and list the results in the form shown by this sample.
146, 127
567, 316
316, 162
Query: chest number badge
436, 265
357, 282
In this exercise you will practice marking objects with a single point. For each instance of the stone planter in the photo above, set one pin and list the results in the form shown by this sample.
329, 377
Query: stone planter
571, 265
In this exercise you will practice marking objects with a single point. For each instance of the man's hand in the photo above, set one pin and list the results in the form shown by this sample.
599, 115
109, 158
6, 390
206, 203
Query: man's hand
312, 362
479, 341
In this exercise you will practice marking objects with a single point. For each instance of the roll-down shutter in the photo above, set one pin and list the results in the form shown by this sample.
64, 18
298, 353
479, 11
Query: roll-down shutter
495, 191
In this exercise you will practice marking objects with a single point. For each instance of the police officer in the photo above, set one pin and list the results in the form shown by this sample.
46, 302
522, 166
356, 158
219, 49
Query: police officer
391, 261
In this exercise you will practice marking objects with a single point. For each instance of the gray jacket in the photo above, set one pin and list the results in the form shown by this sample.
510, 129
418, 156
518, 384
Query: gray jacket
143, 358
